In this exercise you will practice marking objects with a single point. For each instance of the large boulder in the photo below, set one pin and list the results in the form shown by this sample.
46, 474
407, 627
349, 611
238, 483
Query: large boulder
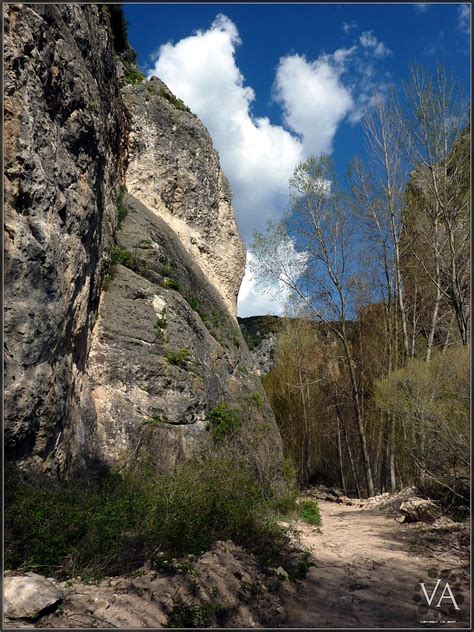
27, 596
419, 510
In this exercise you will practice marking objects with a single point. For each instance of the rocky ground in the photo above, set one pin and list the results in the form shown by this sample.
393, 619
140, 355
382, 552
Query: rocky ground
369, 563
222, 588
367, 566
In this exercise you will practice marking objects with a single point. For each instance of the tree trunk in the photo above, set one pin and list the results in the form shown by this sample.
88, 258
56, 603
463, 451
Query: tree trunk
359, 416
339, 450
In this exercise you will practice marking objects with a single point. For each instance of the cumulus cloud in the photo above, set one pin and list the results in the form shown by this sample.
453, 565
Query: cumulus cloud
313, 99
254, 300
274, 297
257, 155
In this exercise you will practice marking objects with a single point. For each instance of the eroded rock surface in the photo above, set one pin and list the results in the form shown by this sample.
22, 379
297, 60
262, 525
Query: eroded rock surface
65, 129
95, 376
166, 351
175, 171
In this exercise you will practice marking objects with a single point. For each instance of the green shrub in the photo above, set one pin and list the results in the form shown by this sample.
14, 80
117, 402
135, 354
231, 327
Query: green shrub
132, 75
122, 209
223, 421
113, 524
171, 284
258, 399
123, 256
108, 278
308, 511
185, 615
193, 302
165, 269
178, 358
161, 323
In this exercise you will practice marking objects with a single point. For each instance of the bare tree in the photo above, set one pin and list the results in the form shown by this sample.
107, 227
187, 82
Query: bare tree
388, 176
433, 123
319, 221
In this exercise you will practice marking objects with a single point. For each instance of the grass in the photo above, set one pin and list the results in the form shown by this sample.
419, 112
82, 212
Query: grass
132, 75
171, 284
187, 615
161, 324
193, 303
308, 511
114, 524
258, 399
123, 256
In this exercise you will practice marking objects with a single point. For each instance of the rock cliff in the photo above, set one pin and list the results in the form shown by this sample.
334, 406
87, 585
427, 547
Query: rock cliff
175, 170
120, 340
65, 128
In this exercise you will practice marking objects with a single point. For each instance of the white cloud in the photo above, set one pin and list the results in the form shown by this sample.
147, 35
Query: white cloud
368, 40
313, 99
274, 298
254, 300
347, 27
257, 155
421, 8
464, 17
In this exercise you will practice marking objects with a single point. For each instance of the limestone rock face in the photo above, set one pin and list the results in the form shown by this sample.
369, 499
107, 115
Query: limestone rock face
65, 128
105, 364
175, 171
27, 596
166, 351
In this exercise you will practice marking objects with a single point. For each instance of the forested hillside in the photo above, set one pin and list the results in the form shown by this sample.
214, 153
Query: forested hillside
381, 402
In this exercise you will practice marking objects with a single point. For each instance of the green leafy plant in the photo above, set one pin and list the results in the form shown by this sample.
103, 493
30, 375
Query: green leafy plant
165, 269
111, 524
223, 421
123, 256
308, 511
122, 209
258, 399
171, 284
178, 358
132, 75
186, 615
194, 302
161, 323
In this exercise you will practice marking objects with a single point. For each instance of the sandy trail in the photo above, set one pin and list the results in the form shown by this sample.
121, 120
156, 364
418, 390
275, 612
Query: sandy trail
366, 574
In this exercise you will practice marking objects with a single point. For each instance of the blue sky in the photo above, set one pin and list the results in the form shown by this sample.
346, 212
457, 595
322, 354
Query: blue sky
294, 79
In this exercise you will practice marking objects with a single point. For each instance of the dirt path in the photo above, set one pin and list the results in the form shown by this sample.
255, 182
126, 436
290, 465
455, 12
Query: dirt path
366, 574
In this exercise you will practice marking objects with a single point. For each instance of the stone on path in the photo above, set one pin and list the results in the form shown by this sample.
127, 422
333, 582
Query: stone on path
27, 596
419, 510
